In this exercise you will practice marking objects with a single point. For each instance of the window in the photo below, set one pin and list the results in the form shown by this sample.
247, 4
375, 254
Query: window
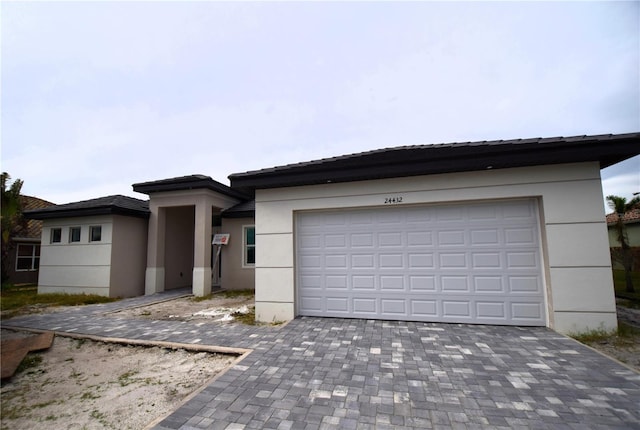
27, 257
56, 235
95, 233
74, 234
249, 248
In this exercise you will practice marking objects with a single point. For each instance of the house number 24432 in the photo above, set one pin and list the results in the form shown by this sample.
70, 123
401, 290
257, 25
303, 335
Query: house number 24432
392, 200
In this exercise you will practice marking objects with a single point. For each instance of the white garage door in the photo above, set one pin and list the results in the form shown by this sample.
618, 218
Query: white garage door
472, 263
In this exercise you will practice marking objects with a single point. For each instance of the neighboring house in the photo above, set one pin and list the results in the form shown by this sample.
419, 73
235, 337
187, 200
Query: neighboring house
476, 232
24, 257
631, 220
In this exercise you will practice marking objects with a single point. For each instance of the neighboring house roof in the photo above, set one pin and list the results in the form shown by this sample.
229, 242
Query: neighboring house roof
191, 182
241, 210
33, 228
110, 205
416, 160
629, 217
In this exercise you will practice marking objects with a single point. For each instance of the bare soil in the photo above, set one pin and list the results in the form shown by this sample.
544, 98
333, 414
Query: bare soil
84, 384
216, 309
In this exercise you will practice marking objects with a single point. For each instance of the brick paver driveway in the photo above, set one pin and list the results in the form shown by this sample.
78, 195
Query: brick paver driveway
338, 373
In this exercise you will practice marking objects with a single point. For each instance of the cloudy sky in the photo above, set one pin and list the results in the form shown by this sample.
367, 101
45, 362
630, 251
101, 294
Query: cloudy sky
97, 96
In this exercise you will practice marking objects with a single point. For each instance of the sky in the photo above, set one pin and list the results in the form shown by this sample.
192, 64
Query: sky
97, 96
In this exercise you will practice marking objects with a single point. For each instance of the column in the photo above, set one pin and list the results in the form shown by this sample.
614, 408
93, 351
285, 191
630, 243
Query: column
154, 275
202, 249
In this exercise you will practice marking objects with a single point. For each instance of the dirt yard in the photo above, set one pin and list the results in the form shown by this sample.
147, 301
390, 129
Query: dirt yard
83, 384
216, 309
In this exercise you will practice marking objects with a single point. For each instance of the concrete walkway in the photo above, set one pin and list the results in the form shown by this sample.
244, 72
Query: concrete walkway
361, 374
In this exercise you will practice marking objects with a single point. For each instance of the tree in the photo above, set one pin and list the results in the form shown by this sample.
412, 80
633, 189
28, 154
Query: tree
620, 206
12, 219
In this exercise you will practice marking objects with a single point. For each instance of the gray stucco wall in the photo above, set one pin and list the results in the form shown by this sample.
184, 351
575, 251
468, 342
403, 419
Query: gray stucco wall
128, 256
234, 275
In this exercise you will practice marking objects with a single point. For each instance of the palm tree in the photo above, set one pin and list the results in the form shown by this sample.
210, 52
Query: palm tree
11, 209
620, 206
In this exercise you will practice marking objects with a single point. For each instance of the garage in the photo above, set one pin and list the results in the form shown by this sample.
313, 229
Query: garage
476, 263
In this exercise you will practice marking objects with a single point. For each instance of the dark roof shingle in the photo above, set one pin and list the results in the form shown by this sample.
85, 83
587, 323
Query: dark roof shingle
110, 205
186, 183
607, 149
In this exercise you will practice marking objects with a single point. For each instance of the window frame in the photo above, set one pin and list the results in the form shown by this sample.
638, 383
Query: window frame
91, 230
72, 230
35, 256
53, 235
246, 246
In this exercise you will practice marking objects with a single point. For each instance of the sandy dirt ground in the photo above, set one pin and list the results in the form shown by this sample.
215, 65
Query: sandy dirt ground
83, 384
216, 309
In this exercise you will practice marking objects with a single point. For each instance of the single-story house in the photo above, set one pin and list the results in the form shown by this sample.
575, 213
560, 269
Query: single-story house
24, 253
494, 232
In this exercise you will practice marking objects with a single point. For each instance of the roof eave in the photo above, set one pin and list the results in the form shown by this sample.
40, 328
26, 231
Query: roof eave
77, 213
447, 159
185, 185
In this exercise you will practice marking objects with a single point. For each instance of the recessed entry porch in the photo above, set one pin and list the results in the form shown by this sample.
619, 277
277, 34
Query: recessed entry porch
181, 225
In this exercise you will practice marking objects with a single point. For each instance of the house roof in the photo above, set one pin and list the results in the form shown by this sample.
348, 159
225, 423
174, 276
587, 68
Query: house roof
241, 210
191, 182
110, 205
33, 228
629, 217
607, 149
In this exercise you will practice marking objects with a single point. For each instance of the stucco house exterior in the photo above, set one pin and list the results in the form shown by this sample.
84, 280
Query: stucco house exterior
473, 232
94, 247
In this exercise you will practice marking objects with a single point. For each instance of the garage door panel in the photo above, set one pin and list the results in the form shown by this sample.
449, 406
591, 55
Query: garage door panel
491, 310
419, 238
527, 260
363, 261
310, 241
453, 260
488, 284
424, 309
396, 307
484, 237
525, 311
335, 261
363, 282
336, 282
392, 283
486, 260
520, 236
483, 212
525, 284
456, 309
335, 241
517, 211
365, 306
451, 238
421, 261
476, 263
450, 213
454, 283
393, 240
424, 283
359, 240
310, 261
